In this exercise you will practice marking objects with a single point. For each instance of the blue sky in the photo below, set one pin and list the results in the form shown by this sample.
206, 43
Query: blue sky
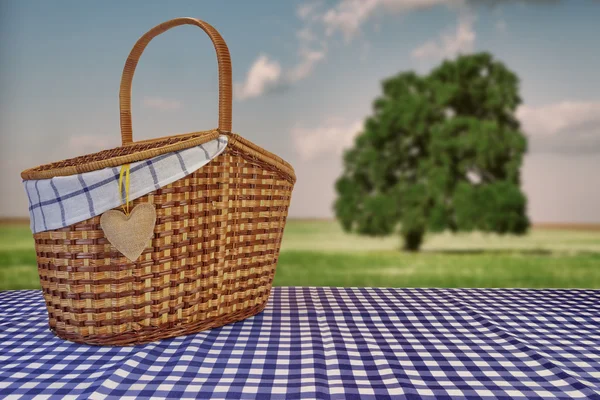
305, 75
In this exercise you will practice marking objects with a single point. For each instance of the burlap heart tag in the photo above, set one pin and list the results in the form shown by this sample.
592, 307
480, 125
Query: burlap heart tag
130, 233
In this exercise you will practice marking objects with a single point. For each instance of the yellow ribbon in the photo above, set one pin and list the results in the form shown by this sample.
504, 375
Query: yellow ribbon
125, 171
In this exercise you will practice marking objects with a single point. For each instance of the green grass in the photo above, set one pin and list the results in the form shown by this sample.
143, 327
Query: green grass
328, 236
15, 237
392, 269
318, 253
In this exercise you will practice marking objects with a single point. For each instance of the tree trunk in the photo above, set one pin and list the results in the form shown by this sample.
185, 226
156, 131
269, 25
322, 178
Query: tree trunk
413, 240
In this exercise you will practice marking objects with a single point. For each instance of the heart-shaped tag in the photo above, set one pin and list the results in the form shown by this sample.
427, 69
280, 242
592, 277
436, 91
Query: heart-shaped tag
130, 233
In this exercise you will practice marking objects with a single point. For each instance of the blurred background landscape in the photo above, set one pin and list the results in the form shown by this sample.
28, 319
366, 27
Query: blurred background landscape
501, 102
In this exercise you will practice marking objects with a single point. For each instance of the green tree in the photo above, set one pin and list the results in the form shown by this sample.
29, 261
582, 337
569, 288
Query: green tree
441, 151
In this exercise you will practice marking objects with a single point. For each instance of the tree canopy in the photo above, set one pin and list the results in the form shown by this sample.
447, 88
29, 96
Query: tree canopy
440, 151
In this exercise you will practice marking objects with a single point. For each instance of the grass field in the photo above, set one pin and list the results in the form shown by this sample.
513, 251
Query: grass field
318, 253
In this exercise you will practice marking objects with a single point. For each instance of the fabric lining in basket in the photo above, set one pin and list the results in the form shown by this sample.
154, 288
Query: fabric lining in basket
65, 200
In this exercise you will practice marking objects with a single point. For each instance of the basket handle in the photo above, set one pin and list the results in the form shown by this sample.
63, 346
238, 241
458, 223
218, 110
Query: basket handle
223, 59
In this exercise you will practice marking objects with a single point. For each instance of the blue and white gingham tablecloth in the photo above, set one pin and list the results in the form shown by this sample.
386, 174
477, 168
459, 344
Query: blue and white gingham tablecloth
330, 343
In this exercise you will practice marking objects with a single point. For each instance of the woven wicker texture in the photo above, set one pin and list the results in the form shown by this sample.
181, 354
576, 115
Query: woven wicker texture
211, 261
216, 241
223, 60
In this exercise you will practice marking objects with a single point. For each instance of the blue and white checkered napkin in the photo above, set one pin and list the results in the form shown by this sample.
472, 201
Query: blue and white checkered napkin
66, 200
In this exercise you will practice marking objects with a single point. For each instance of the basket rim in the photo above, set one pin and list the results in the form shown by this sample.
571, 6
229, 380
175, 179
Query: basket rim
257, 152
119, 155
148, 149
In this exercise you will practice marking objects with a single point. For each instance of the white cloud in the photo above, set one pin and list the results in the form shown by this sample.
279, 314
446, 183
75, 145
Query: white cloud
307, 10
160, 103
311, 48
306, 35
449, 44
263, 76
319, 23
329, 138
564, 127
348, 16
266, 75
305, 67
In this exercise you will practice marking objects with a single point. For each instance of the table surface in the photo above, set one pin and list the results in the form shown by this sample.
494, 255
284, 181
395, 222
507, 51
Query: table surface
339, 343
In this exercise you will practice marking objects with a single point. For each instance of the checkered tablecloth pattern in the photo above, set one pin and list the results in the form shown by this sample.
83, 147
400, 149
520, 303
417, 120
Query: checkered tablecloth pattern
330, 343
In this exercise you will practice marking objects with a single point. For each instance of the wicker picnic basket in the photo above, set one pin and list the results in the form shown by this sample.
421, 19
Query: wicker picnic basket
215, 245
